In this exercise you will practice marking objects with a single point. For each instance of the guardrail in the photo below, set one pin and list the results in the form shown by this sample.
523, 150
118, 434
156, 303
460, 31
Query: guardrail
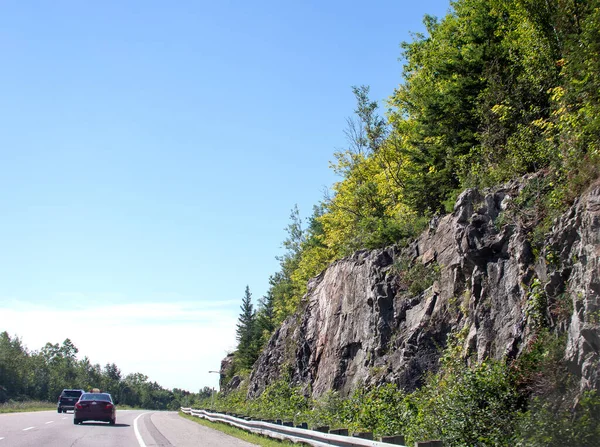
316, 438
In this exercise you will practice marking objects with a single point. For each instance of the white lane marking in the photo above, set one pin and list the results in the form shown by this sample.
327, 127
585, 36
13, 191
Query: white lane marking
28, 428
137, 432
49, 422
1, 439
64, 419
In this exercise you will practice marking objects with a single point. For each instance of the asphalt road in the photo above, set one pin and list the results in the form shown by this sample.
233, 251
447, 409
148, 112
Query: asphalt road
133, 429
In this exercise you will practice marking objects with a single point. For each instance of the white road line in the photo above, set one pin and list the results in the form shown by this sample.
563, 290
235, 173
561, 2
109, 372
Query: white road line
137, 432
1, 439
49, 422
28, 428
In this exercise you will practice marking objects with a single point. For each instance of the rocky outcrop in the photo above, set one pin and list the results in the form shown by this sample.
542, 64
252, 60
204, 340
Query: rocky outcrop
576, 244
385, 315
227, 379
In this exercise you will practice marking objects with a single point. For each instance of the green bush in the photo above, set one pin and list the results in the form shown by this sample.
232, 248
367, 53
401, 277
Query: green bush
492, 403
328, 410
282, 401
466, 406
545, 425
416, 277
382, 410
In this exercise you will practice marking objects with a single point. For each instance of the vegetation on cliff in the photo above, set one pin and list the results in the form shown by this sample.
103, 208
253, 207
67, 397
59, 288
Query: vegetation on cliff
522, 402
494, 90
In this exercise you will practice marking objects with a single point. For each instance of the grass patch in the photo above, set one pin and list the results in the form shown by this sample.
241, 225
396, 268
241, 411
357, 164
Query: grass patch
238, 432
129, 407
20, 407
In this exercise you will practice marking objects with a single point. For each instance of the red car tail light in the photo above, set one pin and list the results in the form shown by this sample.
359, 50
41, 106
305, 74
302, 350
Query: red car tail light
108, 406
78, 406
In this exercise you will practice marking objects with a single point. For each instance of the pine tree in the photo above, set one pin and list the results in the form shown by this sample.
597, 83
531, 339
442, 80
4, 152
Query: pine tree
246, 332
265, 319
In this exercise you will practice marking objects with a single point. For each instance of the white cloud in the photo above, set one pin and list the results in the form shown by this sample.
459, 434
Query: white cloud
174, 344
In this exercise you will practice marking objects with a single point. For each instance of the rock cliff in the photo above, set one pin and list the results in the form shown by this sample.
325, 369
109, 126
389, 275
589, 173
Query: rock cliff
385, 315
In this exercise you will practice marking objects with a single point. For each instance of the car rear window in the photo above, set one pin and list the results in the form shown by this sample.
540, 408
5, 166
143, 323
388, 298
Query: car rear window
71, 393
96, 396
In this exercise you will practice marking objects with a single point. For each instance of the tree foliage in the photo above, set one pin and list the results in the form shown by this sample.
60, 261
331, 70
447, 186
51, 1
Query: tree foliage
42, 375
247, 333
265, 318
464, 403
493, 90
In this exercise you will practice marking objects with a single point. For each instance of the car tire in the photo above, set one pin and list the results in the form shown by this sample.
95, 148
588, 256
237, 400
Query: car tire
112, 421
76, 421
59, 410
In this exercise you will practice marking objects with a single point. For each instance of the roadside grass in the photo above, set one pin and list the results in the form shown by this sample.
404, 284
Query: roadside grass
238, 432
129, 407
18, 407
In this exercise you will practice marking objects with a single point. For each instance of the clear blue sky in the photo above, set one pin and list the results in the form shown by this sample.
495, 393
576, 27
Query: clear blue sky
151, 153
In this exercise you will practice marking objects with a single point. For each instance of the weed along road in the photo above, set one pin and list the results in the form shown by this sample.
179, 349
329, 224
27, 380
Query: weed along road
134, 428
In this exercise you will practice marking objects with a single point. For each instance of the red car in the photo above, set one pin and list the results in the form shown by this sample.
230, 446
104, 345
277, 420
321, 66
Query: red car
95, 407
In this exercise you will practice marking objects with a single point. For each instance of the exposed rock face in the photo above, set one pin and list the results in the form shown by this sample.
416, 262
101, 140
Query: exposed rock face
364, 322
228, 381
576, 243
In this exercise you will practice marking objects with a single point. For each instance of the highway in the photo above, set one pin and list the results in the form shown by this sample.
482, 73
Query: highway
134, 428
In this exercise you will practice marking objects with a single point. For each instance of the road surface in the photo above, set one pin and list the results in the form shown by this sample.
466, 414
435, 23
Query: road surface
134, 428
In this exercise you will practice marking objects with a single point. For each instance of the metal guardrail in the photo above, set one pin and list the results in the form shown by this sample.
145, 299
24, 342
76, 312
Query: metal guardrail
293, 434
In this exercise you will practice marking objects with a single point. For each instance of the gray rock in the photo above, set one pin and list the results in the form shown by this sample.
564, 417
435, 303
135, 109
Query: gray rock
360, 324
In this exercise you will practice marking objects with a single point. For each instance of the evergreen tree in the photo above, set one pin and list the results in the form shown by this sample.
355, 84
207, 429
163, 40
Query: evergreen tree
246, 332
265, 319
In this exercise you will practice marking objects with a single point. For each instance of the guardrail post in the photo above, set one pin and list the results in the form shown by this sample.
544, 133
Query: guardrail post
339, 431
433, 443
364, 435
397, 439
322, 429
302, 425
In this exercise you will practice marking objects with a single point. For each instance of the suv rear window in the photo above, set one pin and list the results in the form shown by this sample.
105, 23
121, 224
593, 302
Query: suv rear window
71, 393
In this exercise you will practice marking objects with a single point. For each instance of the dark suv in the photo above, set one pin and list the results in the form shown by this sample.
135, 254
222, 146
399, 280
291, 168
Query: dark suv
67, 400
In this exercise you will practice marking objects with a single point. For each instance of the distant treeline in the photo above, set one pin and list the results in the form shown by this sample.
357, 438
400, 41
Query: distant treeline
42, 375
494, 90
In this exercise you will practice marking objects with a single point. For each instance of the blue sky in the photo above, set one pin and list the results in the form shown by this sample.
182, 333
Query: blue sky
151, 152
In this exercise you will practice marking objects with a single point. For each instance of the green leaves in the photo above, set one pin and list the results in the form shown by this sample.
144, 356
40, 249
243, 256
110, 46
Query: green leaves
42, 375
544, 425
247, 334
494, 90
467, 406
465, 403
